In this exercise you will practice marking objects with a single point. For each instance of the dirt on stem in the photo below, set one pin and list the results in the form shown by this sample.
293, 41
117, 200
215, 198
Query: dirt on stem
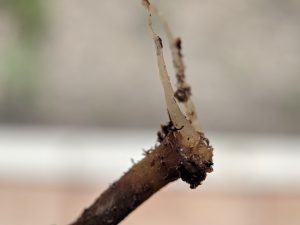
183, 151
166, 163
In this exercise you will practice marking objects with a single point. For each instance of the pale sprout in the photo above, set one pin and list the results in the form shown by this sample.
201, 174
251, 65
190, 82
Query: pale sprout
189, 126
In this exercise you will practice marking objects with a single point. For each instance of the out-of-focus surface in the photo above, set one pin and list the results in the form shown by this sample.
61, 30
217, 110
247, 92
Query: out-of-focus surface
80, 96
57, 205
49, 175
93, 63
74, 156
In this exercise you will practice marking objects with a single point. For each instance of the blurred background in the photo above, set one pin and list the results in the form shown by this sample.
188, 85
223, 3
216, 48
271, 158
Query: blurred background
80, 96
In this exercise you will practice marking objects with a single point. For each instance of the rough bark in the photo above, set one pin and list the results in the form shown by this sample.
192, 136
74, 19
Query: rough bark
166, 163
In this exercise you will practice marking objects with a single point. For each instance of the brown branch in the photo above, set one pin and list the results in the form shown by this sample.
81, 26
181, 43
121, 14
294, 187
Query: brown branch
166, 163
183, 153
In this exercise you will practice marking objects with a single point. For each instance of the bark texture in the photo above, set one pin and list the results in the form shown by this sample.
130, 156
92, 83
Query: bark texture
166, 163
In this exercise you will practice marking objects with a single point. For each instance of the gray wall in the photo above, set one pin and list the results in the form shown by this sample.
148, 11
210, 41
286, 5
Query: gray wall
95, 64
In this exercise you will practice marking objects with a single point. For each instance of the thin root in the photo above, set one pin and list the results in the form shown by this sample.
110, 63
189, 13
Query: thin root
177, 117
183, 92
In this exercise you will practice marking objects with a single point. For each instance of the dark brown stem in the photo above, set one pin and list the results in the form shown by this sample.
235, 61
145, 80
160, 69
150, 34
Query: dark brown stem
166, 163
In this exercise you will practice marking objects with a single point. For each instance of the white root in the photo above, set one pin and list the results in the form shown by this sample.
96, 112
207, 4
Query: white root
179, 67
190, 136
